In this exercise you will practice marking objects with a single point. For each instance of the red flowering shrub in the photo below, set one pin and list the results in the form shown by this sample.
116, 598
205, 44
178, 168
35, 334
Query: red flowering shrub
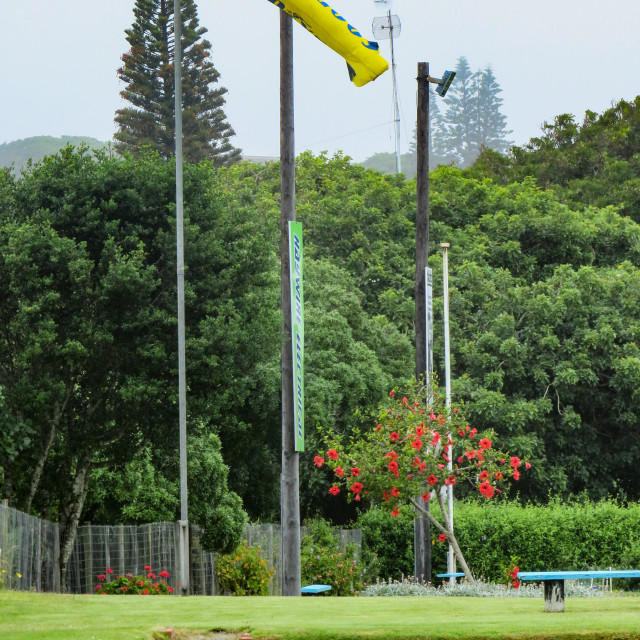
130, 585
402, 471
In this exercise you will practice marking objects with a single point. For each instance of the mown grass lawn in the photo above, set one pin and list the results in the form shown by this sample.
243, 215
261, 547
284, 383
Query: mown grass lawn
30, 616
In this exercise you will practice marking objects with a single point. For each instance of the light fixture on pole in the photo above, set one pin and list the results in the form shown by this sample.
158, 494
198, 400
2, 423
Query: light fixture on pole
443, 83
387, 28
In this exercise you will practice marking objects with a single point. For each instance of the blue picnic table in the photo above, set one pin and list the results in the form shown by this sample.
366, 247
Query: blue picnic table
554, 583
315, 589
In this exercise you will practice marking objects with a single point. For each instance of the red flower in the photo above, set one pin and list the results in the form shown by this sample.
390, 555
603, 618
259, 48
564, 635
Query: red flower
498, 475
420, 429
450, 481
332, 454
164, 574
355, 471
417, 444
391, 394
334, 491
147, 568
339, 472
527, 465
422, 467
516, 474
392, 454
145, 592
486, 490
442, 537
393, 436
470, 454
473, 432
109, 571
431, 480
170, 589
426, 496
395, 492
455, 410
436, 437
357, 497
404, 400
318, 461
102, 577
515, 462
393, 466
357, 487
484, 475
379, 427
396, 512
516, 584
485, 443
151, 575
385, 496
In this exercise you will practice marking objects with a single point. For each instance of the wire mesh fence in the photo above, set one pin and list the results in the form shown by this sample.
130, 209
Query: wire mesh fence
29, 553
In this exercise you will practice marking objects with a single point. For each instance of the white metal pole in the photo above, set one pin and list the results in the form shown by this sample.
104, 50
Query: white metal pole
451, 567
182, 386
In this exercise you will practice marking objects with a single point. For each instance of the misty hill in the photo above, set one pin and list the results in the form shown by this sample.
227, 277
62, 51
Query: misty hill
18, 152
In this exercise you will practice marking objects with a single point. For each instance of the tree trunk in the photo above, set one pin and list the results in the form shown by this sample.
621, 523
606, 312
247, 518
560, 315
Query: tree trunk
39, 468
448, 531
70, 512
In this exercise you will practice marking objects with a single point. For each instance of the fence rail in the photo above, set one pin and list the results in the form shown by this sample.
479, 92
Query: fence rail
29, 553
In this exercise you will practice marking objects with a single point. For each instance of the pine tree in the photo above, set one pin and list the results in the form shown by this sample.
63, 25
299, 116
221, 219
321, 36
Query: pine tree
149, 77
491, 126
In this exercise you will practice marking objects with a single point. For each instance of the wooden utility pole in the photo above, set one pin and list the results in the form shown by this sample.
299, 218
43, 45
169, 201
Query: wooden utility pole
421, 527
289, 483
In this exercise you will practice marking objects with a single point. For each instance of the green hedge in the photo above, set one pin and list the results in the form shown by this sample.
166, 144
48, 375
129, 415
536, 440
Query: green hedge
557, 536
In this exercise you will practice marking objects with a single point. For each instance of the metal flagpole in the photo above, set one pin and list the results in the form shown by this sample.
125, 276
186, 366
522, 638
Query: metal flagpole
182, 387
447, 366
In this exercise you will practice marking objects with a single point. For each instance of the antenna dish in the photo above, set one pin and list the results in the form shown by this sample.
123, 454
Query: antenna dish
386, 27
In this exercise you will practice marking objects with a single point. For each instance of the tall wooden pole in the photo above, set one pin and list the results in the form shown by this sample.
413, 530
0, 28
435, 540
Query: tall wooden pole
422, 529
289, 483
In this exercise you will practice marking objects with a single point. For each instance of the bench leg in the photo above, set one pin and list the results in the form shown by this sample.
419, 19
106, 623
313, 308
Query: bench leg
554, 596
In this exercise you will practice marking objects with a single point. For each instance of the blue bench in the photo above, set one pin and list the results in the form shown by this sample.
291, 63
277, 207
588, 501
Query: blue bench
450, 575
315, 589
554, 583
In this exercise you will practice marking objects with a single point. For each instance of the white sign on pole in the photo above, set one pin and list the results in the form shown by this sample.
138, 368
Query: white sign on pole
428, 275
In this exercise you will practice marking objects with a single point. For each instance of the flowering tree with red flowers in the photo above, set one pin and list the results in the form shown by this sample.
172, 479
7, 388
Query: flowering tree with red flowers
402, 462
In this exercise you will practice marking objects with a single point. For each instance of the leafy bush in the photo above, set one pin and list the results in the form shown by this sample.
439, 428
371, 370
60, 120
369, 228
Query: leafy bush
130, 585
389, 542
558, 536
244, 572
324, 562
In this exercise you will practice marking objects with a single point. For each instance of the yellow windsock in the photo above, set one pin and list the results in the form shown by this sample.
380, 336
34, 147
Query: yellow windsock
317, 17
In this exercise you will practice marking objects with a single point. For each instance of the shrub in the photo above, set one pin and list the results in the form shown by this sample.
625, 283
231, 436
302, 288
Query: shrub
557, 536
130, 585
324, 562
387, 543
244, 572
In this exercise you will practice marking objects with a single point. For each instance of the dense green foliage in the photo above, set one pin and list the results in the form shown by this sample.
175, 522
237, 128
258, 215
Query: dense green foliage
544, 300
579, 535
148, 73
593, 163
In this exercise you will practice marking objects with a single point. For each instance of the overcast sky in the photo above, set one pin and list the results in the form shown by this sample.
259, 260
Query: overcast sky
549, 56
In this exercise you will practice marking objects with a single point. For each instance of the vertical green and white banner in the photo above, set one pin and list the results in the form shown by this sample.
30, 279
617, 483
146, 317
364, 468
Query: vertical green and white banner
297, 330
